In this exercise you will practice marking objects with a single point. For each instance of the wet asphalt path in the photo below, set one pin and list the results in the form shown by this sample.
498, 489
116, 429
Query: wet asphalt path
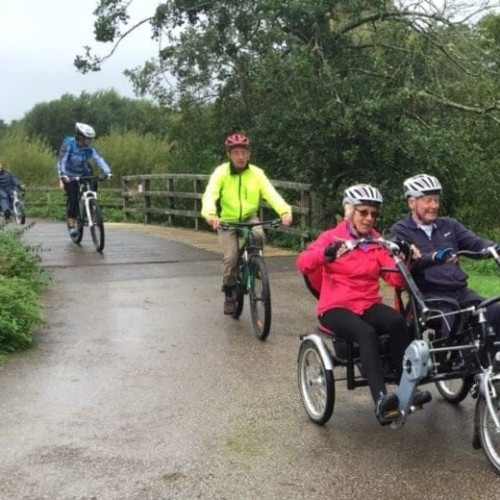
139, 388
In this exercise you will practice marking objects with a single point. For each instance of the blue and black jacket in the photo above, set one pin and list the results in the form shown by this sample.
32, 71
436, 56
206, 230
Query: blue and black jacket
73, 160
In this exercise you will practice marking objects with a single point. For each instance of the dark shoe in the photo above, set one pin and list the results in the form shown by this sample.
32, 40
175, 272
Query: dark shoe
421, 398
73, 231
387, 408
229, 306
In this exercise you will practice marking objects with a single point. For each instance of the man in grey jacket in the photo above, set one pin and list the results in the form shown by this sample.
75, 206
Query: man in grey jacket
437, 272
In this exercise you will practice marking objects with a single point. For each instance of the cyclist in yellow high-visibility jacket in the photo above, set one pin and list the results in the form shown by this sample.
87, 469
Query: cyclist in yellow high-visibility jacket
233, 194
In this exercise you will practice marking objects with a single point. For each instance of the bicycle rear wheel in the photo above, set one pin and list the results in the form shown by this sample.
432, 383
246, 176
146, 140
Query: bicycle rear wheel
97, 226
77, 236
260, 297
456, 390
239, 297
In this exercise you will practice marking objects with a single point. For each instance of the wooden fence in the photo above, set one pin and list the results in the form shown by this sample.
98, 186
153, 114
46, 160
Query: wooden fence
176, 199
179, 196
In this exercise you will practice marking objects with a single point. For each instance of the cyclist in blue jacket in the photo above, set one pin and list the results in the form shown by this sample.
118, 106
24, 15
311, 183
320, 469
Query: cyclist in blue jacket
437, 272
73, 161
8, 183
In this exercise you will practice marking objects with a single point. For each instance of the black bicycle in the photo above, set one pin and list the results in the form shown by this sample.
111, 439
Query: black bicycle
253, 277
89, 212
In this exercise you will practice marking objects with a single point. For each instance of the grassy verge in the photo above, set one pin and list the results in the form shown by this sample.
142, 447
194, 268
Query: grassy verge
21, 281
484, 276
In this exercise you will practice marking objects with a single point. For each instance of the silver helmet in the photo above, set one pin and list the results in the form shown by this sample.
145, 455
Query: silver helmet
362, 194
421, 185
85, 130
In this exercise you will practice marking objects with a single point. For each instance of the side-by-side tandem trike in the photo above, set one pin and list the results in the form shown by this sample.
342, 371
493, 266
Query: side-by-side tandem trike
453, 347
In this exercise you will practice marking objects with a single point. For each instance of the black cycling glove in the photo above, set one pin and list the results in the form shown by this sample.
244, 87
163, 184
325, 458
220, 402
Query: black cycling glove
331, 251
404, 248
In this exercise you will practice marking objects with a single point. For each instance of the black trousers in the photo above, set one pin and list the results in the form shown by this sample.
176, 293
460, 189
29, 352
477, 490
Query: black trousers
364, 330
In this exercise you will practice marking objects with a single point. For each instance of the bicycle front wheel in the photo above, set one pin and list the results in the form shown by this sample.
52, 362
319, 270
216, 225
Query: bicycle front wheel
316, 383
485, 427
97, 227
260, 297
19, 212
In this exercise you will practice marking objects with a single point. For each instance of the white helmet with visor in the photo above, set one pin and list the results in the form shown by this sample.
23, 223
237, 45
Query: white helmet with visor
421, 185
85, 130
362, 194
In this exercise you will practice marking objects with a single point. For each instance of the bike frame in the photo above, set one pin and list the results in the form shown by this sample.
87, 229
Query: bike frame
249, 247
86, 193
16, 200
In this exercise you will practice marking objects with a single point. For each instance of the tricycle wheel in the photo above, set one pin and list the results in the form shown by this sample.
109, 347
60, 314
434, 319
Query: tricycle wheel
485, 427
455, 390
316, 383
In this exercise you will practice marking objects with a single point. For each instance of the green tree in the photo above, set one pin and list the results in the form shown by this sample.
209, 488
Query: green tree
105, 111
332, 92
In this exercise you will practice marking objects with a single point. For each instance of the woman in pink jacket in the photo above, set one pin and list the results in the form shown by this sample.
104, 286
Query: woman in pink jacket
350, 303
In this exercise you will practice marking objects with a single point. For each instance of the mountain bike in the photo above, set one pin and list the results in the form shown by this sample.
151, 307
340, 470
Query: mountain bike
89, 212
466, 354
18, 208
253, 279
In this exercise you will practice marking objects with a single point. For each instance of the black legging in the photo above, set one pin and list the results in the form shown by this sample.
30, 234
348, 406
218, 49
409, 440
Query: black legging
365, 330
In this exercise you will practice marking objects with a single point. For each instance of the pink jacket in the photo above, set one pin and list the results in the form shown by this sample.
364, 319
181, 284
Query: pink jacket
352, 281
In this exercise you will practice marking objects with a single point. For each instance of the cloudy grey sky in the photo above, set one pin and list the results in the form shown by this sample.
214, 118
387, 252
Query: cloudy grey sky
39, 40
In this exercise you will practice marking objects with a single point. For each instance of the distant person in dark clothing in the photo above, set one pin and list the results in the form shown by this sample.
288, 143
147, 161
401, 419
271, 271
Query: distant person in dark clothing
8, 184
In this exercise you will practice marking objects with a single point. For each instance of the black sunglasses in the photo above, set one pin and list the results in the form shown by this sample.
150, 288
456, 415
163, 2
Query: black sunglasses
364, 212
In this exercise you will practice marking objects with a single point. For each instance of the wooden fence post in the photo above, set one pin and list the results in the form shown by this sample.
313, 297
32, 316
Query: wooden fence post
147, 200
126, 198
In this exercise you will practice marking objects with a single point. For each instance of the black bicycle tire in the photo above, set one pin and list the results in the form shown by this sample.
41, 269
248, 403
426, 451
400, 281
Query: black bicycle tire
319, 401
97, 227
482, 431
258, 271
454, 397
239, 297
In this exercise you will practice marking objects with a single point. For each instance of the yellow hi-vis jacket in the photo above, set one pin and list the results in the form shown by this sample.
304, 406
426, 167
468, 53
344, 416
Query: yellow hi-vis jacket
240, 194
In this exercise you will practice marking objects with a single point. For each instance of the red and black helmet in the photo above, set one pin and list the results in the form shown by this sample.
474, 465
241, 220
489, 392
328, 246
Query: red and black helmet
237, 141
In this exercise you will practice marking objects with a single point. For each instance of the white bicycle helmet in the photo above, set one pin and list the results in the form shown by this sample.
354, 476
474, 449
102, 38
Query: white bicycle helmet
85, 130
421, 185
362, 194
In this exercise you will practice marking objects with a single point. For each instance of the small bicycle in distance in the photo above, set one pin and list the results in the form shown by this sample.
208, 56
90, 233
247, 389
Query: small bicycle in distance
89, 212
253, 279
18, 208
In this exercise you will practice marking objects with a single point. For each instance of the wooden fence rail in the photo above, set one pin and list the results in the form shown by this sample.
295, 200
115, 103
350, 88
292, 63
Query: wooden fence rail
179, 195
173, 198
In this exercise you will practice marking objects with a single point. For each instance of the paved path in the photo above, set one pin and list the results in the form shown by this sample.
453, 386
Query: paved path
140, 389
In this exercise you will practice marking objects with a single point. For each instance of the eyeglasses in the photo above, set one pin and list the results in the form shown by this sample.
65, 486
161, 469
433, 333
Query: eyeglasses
364, 212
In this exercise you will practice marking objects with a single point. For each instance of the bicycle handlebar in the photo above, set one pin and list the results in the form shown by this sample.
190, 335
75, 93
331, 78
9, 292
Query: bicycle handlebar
85, 178
489, 252
392, 246
274, 223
